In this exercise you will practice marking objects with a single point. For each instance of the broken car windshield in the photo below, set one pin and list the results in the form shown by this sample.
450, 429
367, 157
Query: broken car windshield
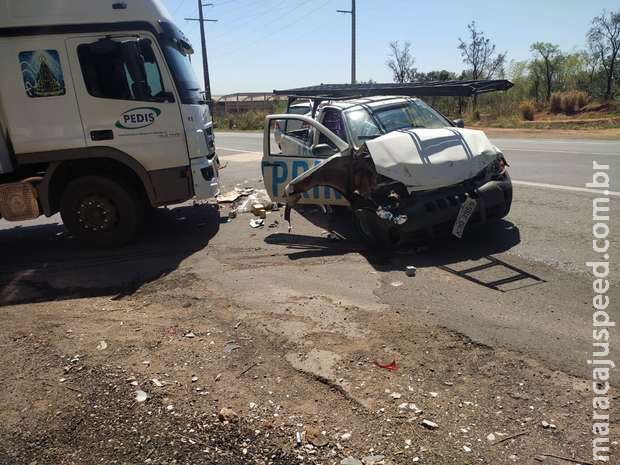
413, 114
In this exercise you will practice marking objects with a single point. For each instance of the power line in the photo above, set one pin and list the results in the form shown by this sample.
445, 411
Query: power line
277, 31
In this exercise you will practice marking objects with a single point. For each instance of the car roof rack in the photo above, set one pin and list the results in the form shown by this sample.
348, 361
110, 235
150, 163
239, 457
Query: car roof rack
413, 89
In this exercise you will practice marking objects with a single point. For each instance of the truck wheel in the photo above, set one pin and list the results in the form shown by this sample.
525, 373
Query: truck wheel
102, 212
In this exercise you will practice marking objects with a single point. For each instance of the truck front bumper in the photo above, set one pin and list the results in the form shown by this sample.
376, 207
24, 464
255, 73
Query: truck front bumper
205, 178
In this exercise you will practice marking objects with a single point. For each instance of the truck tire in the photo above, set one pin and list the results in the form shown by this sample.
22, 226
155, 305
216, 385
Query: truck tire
101, 211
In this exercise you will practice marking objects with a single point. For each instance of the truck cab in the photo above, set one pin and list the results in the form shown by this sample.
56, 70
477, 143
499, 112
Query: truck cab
101, 115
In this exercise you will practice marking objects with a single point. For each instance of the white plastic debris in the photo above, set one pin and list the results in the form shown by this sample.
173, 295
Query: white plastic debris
467, 449
429, 424
102, 345
141, 396
157, 382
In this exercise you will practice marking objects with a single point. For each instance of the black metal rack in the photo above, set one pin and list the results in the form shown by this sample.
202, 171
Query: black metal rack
414, 89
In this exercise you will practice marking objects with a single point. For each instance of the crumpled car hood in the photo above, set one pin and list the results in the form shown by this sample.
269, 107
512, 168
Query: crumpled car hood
424, 159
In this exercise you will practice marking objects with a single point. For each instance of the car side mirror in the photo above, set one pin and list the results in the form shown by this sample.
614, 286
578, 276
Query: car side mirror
459, 123
322, 150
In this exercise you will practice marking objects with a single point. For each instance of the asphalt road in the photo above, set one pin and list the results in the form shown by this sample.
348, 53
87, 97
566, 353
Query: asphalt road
547, 239
557, 162
551, 223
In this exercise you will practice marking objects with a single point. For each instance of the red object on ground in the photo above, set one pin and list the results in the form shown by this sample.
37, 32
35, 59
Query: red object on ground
390, 366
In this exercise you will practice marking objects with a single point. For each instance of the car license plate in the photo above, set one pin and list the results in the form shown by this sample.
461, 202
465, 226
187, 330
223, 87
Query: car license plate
467, 209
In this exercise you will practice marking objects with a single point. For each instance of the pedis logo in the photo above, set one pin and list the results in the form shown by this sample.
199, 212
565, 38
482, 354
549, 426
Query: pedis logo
137, 118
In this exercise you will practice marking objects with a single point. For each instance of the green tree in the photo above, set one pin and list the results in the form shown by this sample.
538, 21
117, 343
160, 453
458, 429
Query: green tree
551, 58
401, 62
479, 54
604, 39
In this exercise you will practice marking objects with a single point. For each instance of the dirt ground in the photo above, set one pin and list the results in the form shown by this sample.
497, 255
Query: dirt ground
208, 335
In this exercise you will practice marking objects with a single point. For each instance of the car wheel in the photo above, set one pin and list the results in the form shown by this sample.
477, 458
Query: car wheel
102, 212
373, 231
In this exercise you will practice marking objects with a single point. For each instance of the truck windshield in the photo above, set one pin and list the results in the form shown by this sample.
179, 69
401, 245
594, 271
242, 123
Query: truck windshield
184, 76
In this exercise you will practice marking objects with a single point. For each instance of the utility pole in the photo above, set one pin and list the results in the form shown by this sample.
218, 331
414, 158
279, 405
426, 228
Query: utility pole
205, 63
352, 12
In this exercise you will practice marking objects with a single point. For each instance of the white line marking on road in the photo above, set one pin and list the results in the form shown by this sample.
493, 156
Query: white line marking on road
598, 154
236, 150
564, 188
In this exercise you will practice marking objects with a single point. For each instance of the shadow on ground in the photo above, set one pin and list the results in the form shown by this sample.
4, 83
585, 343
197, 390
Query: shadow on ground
42, 263
478, 246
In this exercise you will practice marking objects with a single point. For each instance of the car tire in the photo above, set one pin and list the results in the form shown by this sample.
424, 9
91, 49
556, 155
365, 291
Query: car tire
373, 231
102, 212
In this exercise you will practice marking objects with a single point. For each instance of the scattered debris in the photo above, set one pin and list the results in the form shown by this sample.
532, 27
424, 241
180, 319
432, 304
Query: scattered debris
491, 437
102, 345
547, 425
390, 366
396, 395
429, 424
228, 197
397, 283
350, 461
157, 382
467, 449
372, 459
194, 378
258, 209
257, 223
411, 271
522, 433
274, 225
232, 214
433, 394
227, 414
297, 439
345, 436
141, 396
568, 459
230, 347
190, 335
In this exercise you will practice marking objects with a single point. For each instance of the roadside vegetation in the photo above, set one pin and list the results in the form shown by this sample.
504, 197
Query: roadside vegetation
553, 89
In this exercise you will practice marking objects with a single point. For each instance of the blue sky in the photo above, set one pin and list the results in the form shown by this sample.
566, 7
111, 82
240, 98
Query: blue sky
261, 45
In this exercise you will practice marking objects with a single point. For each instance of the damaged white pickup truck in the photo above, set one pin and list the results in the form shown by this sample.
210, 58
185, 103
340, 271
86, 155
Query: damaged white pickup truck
405, 170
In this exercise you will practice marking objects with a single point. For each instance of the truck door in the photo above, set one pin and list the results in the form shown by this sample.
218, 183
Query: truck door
127, 99
293, 144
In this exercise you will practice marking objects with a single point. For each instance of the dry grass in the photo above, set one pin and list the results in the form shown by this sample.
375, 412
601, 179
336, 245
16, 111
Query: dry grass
527, 110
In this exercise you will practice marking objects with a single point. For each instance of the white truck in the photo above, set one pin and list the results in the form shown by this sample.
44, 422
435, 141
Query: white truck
101, 116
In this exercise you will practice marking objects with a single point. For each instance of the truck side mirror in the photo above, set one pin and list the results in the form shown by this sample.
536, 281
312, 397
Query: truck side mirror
459, 123
132, 56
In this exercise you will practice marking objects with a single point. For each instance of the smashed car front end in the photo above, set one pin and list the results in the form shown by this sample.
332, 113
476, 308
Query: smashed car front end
415, 183
407, 216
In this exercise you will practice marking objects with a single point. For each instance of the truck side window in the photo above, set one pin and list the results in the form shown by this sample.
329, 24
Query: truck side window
111, 72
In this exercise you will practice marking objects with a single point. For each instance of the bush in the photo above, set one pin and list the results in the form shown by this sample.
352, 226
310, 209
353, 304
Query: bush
527, 110
555, 103
569, 103
249, 120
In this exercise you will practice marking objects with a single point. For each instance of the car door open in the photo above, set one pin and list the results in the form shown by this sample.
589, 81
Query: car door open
293, 145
